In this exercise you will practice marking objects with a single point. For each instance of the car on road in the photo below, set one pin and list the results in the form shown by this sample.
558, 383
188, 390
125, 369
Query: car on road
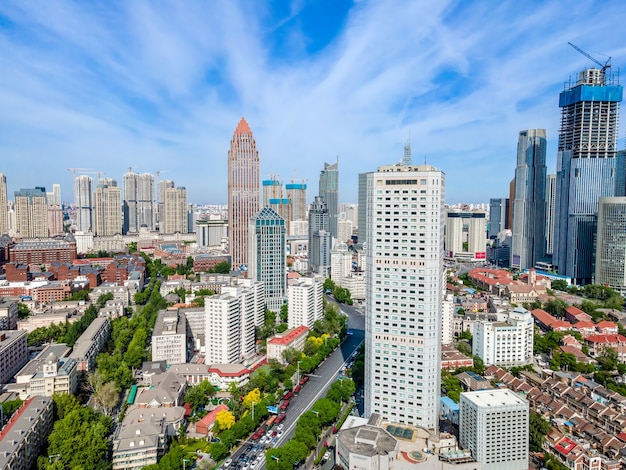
326, 455
227, 463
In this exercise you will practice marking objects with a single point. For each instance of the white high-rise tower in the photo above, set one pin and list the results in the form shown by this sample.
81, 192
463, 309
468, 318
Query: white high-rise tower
404, 231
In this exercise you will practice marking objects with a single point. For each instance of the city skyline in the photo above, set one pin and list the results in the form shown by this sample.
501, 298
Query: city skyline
159, 87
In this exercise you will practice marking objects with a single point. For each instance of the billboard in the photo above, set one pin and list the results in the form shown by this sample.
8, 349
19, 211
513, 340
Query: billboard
481, 255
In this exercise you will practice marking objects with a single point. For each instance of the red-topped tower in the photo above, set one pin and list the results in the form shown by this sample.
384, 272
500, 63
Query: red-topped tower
243, 191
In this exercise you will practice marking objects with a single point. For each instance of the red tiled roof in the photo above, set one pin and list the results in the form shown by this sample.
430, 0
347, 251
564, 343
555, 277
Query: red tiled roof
491, 276
550, 321
585, 324
211, 415
14, 418
574, 310
289, 337
215, 369
565, 446
606, 324
606, 339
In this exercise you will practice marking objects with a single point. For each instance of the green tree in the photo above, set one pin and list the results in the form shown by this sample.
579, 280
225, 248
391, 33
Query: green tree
608, 359
466, 335
222, 268
284, 313
200, 395
218, 451
538, 428
555, 307
341, 390
559, 284
22, 311
328, 410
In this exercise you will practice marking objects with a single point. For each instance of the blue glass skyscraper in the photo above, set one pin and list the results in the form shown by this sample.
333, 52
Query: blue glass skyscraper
588, 168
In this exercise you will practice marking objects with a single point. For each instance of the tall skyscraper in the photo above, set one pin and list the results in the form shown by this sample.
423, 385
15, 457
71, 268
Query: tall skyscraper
529, 206
108, 212
404, 291
138, 202
243, 191
4, 208
610, 266
329, 192
320, 240
266, 260
84, 203
498, 216
174, 211
550, 212
587, 168
161, 187
361, 232
493, 424
296, 193
31, 213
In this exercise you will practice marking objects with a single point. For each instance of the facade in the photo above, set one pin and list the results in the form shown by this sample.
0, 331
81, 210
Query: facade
13, 353
8, 315
4, 207
43, 251
588, 168
362, 209
31, 213
108, 208
550, 212
344, 230
231, 318
84, 202
329, 192
320, 240
141, 440
498, 216
174, 215
211, 232
610, 265
493, 424
170, 341
296, 193
91, 343
55, 220
290, 339
161, 187
55, 375
340, 263
243, 191
305, 302
404, 286
272, 189
529, 206
138, 204
26, 434
505, 344
466, 235
266, 260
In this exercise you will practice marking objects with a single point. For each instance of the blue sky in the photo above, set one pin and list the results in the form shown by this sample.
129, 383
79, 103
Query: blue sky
161, 86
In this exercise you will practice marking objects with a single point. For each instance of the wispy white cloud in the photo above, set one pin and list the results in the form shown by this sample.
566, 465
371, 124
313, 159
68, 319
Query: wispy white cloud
161, 86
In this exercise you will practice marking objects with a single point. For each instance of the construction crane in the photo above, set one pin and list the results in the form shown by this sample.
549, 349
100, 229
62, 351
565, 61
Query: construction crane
606, 65
158, 173
74, 170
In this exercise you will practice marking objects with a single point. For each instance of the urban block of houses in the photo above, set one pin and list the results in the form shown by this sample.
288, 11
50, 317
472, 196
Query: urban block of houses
91, 343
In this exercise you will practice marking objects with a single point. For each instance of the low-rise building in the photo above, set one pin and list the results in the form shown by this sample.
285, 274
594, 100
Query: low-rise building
366, 448
166, 390
598, 343
25, 434
290, 339
13, 353
120, 293
206, 424
90, 343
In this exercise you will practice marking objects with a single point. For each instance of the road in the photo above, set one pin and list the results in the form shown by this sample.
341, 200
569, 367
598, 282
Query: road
319, 382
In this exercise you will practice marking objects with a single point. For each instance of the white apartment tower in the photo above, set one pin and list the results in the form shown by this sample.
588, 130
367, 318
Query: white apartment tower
174, 216
340, 263
231, 320
493, 424
108, 213
305, 305
83, 200
31, 213
505, 344
404, 232
4, 208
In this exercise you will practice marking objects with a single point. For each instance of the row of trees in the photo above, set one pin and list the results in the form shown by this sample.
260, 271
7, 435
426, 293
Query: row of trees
309, 427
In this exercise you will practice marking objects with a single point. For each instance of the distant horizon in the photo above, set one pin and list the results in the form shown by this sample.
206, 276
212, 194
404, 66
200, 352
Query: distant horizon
160, 87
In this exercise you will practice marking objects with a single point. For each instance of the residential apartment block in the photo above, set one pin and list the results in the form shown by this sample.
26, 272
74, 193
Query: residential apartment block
505, 344
8, 314
91, 343
493, 424
26, 434
305, 302
170, 341
13, 353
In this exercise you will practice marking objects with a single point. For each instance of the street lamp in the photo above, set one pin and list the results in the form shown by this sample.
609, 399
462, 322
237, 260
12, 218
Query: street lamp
298, 380
253, 403
185, 460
